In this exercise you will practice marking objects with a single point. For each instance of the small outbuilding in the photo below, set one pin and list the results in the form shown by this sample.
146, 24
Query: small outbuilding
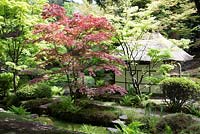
137, 53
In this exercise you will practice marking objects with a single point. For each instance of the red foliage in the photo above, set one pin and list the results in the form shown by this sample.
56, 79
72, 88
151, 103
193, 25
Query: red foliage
108, 89
82, 37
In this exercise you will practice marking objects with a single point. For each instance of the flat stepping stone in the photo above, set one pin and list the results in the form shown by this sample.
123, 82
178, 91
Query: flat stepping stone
2, 110
112, 130
45, 106
118, 121
123, 117
34, 115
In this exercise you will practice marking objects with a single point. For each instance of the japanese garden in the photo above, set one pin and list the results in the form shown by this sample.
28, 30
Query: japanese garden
99, 67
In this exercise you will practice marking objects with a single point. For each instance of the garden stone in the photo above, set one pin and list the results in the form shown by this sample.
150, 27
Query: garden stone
2, 110
45, 106
123, 117
112, 130
118, 121
34, 116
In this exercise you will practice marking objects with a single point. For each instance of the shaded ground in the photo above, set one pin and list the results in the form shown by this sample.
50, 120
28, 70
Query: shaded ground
137, 111
13, 124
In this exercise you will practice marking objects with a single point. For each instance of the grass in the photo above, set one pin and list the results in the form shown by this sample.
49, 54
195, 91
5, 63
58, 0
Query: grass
80, 127
5, 116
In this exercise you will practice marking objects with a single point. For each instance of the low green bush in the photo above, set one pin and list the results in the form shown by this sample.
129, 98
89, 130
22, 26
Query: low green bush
192, 109
66, 104
127, 100
11, 100
40, 90
132, 128
178, 91
149, 122
57, 90
18, 110
136, 100
5, 83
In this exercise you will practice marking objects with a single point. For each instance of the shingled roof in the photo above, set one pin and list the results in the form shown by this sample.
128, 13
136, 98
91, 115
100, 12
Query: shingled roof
156, 41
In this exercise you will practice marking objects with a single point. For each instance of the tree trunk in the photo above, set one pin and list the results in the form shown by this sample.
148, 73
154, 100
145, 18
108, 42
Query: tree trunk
134, 81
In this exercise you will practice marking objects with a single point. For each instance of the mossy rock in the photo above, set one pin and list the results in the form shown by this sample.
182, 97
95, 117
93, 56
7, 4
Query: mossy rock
193, 129
11, 100
33, 106
176, 122
92, 114
11, 123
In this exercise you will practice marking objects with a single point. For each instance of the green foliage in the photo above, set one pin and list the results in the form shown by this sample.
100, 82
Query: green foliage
88, 129
157, 56
89, 81
17, 18
5, 83
136, 100
100, 83
57, 80
161, 73
150, 123
66, 104
69, 8
13, 65
127, 100
168, 130
165, 69
11, 100
57, 90
40, 90
132, 128
178, 91
183, 43
194, 110
18, 110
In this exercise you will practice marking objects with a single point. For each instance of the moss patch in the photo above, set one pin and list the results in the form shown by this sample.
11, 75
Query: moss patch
11, 123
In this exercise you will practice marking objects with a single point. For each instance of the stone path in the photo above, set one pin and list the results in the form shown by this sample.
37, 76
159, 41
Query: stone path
134, 109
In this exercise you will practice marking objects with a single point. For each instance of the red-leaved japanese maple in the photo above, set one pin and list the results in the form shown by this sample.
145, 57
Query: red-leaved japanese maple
78, 46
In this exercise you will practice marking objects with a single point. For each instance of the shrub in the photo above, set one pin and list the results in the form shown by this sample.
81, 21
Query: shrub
57, 90
43, 90
150, 123
129, 100
5, 83
192, 109
88, 129
132, 128
177, 123
178, 91
40, 90
66, 104
18, 110
11, 100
